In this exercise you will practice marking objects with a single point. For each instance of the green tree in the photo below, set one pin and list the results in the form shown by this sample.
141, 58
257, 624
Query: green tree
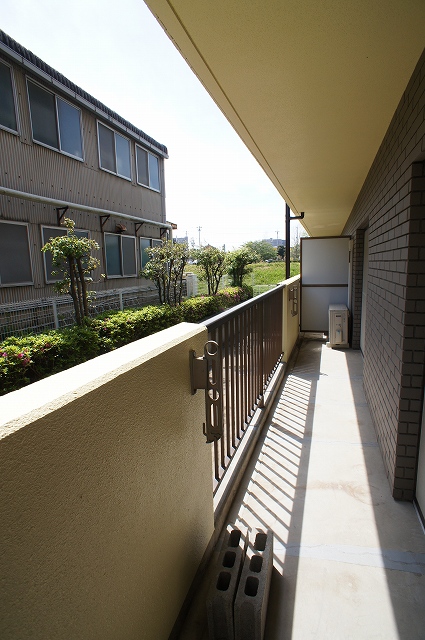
296, 248
263, 248
165, 267
213, 264
281, 251
72, 258
239, 262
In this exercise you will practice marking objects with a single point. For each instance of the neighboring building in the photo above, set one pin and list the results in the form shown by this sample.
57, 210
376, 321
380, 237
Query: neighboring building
64, 153
275, 242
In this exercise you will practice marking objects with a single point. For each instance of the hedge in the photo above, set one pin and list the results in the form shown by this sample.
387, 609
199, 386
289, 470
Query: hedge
30, 358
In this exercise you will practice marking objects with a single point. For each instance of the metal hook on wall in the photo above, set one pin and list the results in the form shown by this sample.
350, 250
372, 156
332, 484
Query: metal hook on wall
205, 373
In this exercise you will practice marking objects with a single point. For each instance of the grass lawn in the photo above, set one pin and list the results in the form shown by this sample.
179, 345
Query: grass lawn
264, 275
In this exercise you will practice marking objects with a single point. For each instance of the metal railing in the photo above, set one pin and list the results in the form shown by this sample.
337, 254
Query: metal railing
249, 339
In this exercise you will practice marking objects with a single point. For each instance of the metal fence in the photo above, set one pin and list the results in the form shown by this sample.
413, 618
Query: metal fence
36, 316
249, 339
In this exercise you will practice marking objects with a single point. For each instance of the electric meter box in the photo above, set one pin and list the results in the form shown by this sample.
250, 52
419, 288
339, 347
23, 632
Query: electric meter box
338, 326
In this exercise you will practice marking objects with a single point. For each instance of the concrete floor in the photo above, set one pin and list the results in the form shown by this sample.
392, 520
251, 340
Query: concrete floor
349, 561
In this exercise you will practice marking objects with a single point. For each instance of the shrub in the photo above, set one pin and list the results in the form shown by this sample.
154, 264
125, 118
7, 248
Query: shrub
30, 358
212, 263
71, 255
166, 267
122, 327
239, 264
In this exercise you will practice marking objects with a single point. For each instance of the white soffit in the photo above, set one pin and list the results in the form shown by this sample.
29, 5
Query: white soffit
310, 86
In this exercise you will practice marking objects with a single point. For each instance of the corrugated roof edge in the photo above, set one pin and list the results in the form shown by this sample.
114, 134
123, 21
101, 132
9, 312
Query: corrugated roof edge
43, 66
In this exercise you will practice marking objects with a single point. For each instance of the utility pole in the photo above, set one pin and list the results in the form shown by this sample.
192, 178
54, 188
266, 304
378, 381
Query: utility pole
199, 236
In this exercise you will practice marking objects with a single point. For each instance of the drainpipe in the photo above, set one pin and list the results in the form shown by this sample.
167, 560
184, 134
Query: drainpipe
23, 195
288, 219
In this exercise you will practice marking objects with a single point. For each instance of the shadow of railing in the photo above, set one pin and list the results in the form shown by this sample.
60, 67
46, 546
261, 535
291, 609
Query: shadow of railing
346, 555
275, 496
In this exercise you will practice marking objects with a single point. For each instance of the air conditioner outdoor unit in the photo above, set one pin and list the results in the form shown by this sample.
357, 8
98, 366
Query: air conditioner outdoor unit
338, 326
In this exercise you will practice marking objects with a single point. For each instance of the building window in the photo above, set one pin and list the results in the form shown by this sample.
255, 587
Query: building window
147, 169
144, 244
47, 233
120, 252
114, 152
7, 99
15, 260
55, 122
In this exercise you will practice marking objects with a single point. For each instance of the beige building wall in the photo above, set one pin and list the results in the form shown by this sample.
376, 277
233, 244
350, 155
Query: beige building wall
291, 322
106, 505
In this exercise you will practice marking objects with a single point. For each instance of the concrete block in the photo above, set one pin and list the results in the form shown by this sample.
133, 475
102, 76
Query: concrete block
253, 593
222, 592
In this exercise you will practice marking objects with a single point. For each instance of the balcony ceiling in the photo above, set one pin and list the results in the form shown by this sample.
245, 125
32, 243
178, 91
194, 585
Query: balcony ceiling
309, 85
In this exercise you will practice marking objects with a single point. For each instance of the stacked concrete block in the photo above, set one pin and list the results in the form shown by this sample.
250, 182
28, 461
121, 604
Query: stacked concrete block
222, 593
250, 607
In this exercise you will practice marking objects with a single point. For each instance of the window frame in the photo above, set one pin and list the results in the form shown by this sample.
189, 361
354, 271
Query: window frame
153, 242
56, 97
48, 280
26, 283
148, 186
113, 173
15, 101
122, 275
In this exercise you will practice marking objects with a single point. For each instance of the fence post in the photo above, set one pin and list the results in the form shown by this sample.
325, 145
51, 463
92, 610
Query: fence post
55, 313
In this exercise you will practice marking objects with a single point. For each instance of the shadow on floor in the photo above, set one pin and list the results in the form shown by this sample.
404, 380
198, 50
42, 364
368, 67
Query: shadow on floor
349, 561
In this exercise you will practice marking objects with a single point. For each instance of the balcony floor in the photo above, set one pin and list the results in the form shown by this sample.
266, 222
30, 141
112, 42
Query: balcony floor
349, 561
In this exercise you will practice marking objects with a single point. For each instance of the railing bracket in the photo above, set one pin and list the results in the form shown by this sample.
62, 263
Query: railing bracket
205, 373
60, 212
293, 297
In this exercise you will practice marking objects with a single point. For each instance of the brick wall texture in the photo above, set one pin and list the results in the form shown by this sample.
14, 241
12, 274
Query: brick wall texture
391, 204
356, 295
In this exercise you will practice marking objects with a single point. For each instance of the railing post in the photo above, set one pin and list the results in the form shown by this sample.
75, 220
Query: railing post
262, 359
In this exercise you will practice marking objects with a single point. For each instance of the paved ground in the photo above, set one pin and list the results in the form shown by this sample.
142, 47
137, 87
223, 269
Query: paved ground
349, 561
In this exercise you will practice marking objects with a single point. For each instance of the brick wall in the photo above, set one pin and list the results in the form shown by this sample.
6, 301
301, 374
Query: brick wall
392, 204
356, 290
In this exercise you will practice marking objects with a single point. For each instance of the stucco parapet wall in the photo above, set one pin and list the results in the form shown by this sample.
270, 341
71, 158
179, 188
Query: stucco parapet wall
19, 408
290, 281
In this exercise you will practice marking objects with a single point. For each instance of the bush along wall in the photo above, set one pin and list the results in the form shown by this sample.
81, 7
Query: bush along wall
30, 358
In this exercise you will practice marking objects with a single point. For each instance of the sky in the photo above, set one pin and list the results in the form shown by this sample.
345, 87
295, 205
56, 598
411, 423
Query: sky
125, 59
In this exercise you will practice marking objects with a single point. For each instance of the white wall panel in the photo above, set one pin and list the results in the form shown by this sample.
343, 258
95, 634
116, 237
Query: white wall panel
325, 260
315, 306
324, 264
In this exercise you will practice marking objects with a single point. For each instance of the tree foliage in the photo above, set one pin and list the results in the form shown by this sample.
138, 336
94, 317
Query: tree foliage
281, 251
71, 257
213, 264
295, 251
239, 262
263, 248
165, 268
